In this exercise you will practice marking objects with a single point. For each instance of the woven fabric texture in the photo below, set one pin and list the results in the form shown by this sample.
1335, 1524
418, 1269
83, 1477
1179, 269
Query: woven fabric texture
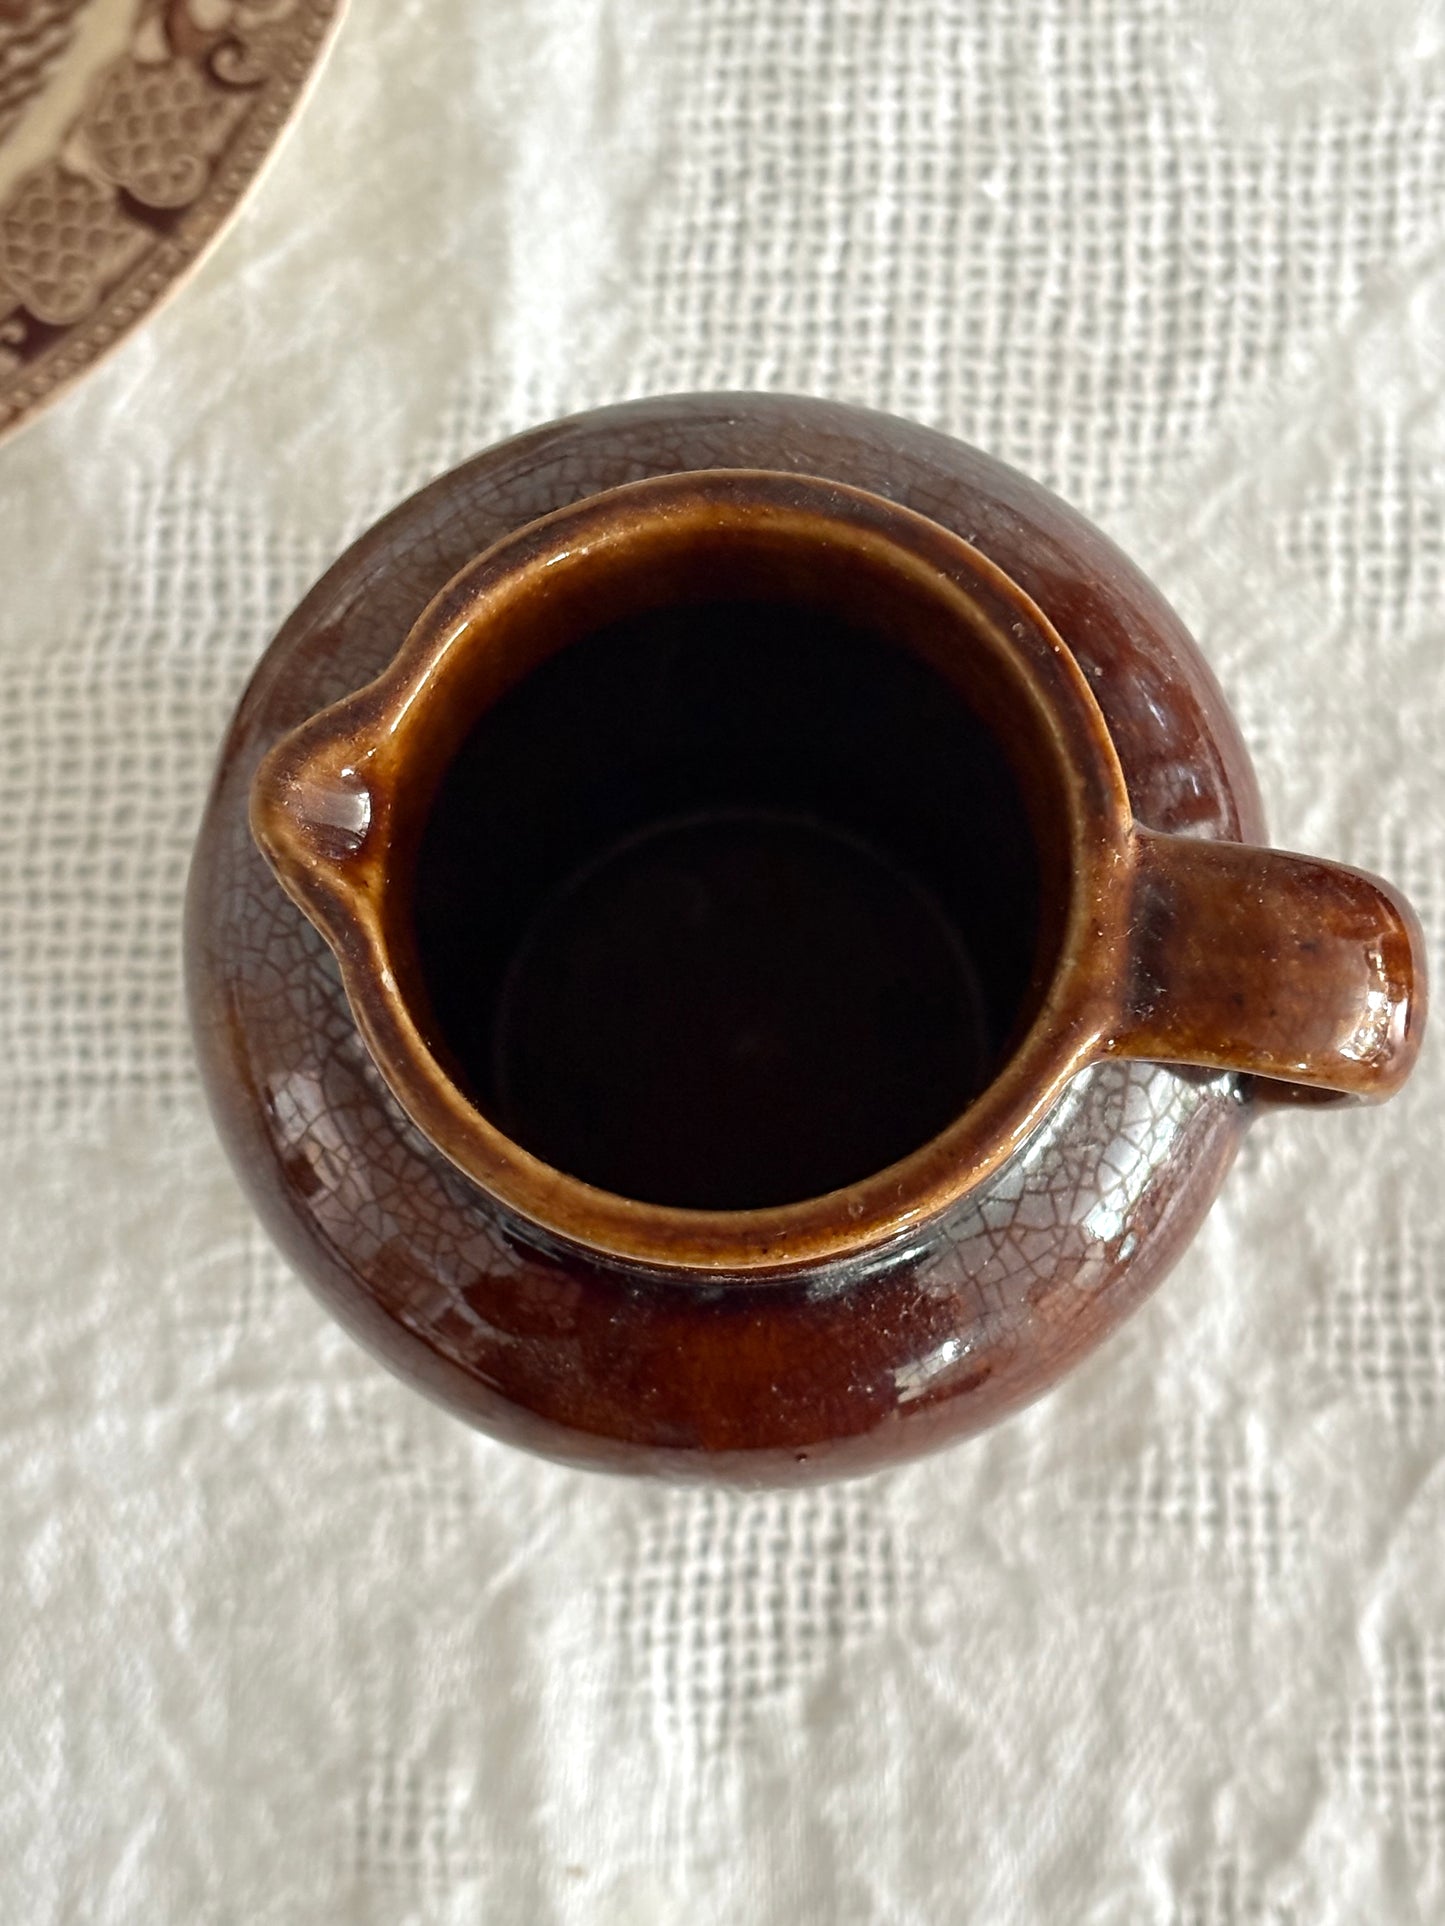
279, 1643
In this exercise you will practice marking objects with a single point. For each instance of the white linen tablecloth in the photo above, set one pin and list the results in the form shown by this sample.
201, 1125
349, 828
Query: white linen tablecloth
281, 1643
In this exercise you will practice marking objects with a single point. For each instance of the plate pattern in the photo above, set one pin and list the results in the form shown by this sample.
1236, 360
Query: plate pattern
130, 131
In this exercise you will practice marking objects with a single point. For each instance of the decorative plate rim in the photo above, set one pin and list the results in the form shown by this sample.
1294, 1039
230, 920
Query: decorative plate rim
172, 257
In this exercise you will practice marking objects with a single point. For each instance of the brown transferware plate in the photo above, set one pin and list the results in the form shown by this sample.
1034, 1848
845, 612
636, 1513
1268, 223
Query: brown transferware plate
130, 133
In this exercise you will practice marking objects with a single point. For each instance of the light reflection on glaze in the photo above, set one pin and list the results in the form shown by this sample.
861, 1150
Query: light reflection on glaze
1059, 1212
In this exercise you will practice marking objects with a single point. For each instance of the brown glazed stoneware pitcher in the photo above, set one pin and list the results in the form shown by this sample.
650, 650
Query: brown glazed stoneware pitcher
731, 937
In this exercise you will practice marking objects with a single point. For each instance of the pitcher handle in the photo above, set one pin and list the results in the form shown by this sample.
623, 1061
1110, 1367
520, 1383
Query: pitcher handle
1277, 965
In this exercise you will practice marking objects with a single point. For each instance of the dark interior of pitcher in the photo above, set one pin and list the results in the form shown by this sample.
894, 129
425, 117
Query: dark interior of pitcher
731, 901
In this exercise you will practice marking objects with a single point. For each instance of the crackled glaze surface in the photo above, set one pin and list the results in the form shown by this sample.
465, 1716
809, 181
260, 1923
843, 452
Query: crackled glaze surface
832, 1369
130, 130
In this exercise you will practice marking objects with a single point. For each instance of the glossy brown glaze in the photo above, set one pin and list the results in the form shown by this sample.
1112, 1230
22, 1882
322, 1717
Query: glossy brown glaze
838, 1332
1291, 968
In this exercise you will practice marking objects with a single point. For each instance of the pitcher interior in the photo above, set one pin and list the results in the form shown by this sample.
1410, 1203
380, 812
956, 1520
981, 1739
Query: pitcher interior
730, 902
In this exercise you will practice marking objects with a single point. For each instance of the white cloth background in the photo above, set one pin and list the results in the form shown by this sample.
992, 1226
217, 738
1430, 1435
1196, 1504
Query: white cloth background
280, 1643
